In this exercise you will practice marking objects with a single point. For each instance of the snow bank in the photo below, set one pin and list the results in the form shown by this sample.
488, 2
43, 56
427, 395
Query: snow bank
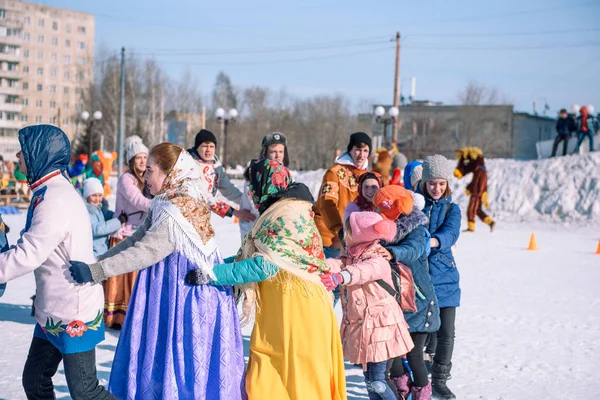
562, 189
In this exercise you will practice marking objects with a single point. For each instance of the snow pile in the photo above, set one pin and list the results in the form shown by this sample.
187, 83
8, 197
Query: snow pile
562, 189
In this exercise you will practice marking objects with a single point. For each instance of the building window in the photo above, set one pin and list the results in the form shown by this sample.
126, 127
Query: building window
53, 105
53, 73
52, 88
81, 45
2, 13
41, 39
38, 104
80, 60
80, 76
67, 59
66, 106
81, 29
27, 20
26, 37
25, 102
24, 118
26, 53
39, 87
40, 54
79, 107
66, 121
68, 27
41, 23
55, 41
78, 91
66, 90
53, 57
25, 86
40, 71
67, 75
26, 69
67, 43
11, 99
38, 119
55, 26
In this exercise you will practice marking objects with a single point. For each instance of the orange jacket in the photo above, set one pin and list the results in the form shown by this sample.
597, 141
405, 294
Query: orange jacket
339, 188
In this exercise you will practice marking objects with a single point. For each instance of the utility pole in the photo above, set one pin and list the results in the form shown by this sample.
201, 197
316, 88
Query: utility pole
122, 114
396, 89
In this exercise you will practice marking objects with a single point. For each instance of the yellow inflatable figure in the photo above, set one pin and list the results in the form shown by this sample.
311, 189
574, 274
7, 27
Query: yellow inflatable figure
107, 160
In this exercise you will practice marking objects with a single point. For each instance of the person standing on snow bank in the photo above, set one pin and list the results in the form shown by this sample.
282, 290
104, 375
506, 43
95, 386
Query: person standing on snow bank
178, 341
564, 127
69, 316
274, 147
213, 172
586, 126
444, 227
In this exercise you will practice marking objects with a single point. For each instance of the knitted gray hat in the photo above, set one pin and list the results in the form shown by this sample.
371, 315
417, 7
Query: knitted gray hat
416, 176
436, 167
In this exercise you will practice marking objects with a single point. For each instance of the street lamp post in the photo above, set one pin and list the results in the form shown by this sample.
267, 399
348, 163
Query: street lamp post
85, 116
224, 118
382, 118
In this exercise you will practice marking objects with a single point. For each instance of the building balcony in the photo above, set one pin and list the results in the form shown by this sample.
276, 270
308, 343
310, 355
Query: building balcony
15, 90
8, 74
11, 57
10, 124
14, 107
12, 40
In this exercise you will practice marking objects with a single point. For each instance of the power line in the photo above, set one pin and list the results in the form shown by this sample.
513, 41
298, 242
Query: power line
500, 34
501, 48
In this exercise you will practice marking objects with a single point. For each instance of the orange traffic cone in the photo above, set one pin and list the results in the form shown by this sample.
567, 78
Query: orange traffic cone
598, 249
532, 243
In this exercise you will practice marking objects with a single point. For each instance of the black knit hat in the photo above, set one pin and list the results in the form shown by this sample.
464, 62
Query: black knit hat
358, 138
204, 136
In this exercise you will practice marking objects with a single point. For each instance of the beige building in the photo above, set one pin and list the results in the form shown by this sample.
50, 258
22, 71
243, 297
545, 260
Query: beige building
46, 60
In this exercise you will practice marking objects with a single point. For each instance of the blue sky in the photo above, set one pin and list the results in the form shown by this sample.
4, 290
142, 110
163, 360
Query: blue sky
544, 50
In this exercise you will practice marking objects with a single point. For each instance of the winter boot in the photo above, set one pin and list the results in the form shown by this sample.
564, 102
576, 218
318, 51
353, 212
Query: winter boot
33, 305
421, 393
439, 376
470, 227
402, 385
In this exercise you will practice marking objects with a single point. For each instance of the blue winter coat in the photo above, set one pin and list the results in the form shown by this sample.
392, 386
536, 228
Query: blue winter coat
444, 225
408, 170
410, 248
101, 228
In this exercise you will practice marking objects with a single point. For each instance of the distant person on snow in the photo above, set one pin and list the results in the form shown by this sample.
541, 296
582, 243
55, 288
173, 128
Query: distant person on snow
586, 126
213, 172
564, 126
69, 316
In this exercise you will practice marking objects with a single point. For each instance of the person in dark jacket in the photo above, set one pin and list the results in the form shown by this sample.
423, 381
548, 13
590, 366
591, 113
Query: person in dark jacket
444, 227
564, 126
409, 248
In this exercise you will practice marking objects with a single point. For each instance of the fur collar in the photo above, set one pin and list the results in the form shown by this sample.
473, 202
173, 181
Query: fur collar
407, 223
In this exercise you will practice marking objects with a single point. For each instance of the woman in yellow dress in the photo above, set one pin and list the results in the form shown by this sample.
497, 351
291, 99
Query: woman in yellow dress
295, 348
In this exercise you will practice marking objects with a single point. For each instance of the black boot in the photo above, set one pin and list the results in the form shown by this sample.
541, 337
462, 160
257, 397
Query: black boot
440, 374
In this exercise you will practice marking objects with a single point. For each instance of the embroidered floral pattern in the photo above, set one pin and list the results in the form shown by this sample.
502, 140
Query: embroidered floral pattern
347, 178
76, 328
73, 328
53, 328
330, 189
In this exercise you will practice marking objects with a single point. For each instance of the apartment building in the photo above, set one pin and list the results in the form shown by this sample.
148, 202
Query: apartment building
46, 60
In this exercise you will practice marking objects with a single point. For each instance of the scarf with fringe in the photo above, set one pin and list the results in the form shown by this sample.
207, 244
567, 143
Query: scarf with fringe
182, 204
285, 235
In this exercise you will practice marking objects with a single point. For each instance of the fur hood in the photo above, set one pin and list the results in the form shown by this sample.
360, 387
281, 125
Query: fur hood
405, 224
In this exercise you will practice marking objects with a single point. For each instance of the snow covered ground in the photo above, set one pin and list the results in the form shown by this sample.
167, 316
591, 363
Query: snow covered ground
529, 324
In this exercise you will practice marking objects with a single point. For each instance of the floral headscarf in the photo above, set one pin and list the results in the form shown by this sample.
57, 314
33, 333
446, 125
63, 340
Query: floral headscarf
182, 201
267, 178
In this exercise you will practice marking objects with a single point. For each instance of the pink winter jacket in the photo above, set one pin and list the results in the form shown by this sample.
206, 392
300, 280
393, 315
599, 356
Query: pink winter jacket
131, 200
373, 326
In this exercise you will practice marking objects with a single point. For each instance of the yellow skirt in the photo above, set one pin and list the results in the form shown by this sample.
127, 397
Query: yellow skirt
295, 348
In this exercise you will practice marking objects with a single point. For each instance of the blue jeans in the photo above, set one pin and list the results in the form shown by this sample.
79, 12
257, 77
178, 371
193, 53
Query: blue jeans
333, 252
377, 386
582, 136
80, 371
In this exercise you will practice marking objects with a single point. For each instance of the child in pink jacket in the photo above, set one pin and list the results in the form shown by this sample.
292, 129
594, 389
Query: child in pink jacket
373, 326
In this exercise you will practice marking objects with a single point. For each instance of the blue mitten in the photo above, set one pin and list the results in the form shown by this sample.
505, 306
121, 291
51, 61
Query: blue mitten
80, 272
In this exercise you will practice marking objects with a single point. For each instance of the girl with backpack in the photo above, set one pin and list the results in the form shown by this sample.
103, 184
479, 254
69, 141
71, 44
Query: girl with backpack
373, 327
410, 248
444, 227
